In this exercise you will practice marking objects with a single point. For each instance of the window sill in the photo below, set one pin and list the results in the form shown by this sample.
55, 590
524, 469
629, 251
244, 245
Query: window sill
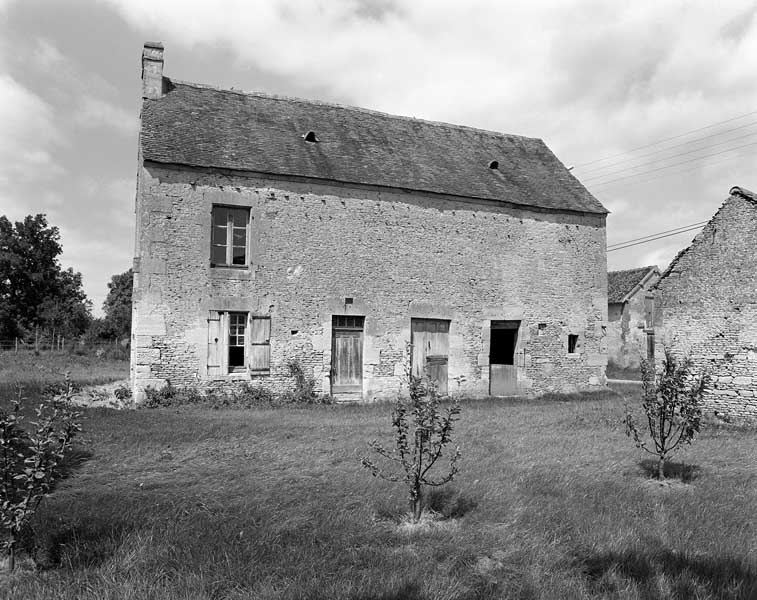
234, 273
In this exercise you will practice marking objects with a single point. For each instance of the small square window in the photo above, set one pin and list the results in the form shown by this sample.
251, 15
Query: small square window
572, 343
228, 237
541, 329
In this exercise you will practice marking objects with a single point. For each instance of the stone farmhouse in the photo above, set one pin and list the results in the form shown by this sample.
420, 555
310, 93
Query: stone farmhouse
359, 244
707, 305
629, 327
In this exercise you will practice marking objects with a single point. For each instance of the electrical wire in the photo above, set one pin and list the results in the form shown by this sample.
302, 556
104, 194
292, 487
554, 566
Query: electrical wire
596, 175
628, 184
602, 183
652, 235
653, 239
684, 134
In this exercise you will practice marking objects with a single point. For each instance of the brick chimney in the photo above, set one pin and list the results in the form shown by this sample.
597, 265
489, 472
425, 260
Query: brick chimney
152, 71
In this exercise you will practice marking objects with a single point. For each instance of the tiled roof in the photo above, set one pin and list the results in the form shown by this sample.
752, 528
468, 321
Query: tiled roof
206, 127
621, 283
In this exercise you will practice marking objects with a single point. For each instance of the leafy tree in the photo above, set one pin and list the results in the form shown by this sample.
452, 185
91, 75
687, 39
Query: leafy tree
31, 460
421, 433
68, 310
117, 307
34, 290
672, 405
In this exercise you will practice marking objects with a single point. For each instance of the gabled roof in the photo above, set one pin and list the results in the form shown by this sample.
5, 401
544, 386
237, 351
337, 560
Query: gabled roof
734, 191
206, 127
622, 284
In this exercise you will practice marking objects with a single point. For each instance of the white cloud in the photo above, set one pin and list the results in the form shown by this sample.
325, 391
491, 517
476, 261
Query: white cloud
30, 136
97, 113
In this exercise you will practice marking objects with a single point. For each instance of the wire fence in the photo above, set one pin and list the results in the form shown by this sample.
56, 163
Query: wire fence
58, 344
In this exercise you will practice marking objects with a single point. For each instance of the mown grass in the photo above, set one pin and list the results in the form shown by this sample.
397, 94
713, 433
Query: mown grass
35, 371
552, 501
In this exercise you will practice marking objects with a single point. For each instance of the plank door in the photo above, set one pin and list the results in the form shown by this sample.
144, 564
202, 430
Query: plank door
503, 372
347, 354
430, 342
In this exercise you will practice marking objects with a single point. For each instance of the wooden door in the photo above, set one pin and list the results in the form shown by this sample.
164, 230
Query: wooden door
430, 342
347, 354
503, 372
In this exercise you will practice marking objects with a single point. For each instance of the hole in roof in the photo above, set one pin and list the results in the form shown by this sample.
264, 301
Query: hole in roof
310, 137
494, 164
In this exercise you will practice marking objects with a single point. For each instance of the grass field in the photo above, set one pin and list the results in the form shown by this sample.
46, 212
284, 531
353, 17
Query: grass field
553, 501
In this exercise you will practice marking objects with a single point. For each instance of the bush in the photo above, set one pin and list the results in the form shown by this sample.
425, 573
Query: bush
246, 395
672, 405
304, 388
31, 460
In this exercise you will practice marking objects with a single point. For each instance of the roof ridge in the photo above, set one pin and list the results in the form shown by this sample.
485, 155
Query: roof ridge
743, 192
350, 107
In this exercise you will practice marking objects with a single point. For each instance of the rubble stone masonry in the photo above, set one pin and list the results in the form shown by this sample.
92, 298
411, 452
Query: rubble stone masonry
708, 302
396, 254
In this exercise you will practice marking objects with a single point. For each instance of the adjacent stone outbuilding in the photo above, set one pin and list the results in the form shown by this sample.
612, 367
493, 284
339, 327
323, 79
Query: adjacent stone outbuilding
707, 305
629, 316
274, 229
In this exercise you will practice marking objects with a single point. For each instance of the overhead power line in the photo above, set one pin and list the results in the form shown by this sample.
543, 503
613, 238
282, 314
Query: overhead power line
654, 239
675, 137
596, 172
652, 235
683, 162
627, 184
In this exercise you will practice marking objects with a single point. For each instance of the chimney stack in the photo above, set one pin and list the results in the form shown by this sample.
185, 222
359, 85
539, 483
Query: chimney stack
152, 71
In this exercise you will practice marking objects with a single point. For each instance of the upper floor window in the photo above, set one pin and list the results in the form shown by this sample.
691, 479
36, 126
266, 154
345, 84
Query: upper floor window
229, 235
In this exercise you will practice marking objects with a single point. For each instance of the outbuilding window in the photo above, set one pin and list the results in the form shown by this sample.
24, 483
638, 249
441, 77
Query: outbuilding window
572, 343
229, 236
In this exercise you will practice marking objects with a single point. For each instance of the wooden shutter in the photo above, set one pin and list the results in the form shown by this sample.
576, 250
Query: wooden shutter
260, 345
215, 343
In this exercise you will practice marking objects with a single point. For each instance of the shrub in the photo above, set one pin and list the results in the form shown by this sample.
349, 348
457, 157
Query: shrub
304, 387
31, 460
421, 433
122, 392
672, 405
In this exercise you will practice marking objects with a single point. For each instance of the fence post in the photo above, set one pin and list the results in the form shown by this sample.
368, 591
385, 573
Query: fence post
16, 345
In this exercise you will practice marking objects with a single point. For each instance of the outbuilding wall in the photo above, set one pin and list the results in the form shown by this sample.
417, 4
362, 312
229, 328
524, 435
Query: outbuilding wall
396, 254
708, 307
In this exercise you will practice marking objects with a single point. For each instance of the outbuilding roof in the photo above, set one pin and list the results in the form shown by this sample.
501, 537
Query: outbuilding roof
620, 284
206, 127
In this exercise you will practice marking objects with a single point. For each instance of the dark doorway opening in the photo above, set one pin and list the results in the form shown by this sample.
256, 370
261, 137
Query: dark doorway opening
503, 372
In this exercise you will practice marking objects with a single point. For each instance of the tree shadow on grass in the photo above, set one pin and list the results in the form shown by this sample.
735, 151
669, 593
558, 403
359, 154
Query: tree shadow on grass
672, 470
688, 575
74, 460
449, 502
408, 591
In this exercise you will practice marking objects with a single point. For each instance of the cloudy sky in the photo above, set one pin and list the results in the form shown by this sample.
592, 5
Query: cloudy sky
654, 104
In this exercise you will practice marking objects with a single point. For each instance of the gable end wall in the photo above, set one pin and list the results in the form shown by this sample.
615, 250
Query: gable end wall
708, 307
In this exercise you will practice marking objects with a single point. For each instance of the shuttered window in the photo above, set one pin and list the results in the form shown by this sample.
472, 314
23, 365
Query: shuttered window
238, 343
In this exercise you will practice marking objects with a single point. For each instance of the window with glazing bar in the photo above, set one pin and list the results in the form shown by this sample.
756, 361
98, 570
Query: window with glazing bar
229, 237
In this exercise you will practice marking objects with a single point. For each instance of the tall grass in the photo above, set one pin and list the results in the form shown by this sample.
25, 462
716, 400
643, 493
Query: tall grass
553, 501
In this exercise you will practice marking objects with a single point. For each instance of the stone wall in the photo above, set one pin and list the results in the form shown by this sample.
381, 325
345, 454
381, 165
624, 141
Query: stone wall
708, 307
626, 329
396, 254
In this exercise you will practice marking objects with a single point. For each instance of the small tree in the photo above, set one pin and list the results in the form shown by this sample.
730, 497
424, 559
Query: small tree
421, 433
31, 460
672, 404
